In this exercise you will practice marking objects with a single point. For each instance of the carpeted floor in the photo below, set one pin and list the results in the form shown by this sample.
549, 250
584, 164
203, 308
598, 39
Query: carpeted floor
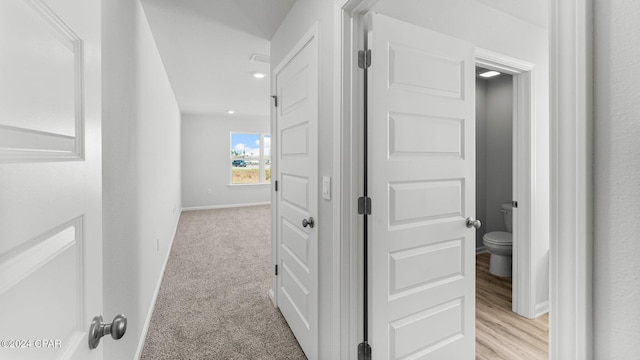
213, 302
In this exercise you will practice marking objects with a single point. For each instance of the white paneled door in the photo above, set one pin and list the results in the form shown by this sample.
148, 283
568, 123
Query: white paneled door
296, 84
50, 178
422, 181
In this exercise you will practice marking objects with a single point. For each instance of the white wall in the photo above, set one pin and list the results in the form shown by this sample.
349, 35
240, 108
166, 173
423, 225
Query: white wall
494, 145
299, 20
206, 164
617, 180
141, 170
491, 29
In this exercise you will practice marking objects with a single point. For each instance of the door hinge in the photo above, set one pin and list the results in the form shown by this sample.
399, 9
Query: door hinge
364, 205
364, 59
276, 269
275, 100
514, 204
364, 351
276, 184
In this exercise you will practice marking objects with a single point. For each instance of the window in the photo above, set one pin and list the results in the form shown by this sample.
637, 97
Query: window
250, 158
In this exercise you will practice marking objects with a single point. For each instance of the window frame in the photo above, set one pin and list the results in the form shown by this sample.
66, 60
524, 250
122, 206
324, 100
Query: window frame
261, 159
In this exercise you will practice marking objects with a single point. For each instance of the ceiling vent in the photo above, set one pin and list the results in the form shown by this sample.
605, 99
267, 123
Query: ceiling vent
260, 58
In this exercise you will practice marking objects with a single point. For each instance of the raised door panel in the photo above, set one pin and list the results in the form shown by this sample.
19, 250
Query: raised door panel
49, 268
41, 92
417, 135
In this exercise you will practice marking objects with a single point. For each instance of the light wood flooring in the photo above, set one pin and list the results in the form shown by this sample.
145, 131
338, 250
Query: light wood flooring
500, 333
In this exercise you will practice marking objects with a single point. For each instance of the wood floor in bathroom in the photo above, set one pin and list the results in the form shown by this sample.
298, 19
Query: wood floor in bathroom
500, 333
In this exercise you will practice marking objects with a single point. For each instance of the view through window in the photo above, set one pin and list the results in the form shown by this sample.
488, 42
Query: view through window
250, 158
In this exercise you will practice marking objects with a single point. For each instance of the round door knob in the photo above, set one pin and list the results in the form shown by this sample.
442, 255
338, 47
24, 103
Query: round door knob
98, 329
471, 222
118, 327
308, 222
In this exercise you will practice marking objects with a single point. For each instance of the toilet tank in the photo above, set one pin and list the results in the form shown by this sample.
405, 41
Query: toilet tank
507, 212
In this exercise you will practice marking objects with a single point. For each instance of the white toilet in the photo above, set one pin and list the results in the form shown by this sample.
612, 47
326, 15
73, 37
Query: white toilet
500, 245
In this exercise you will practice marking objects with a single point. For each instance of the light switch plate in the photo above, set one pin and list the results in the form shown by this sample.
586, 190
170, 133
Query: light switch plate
326, 187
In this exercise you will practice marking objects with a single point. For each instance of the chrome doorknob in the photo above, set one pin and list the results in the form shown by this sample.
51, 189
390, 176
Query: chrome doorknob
471, 222
308, 223
99, 329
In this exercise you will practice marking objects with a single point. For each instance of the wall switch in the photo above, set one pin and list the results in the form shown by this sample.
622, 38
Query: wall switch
326, 187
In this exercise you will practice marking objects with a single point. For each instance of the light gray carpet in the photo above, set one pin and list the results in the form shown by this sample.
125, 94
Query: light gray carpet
213, 301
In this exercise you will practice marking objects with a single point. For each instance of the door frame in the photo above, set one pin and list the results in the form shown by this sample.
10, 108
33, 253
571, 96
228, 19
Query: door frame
571, 240
524, 137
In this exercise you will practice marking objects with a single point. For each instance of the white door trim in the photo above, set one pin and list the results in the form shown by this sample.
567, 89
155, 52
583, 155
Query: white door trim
571, 242
524, 190
571, 163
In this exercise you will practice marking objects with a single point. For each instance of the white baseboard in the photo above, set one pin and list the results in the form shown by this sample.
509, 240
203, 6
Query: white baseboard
542, 308
481, 250
209, 207
152, 306
272, 297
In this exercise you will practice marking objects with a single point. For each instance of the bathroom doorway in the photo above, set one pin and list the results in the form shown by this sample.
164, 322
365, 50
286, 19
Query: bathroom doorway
510, 321
494, 166
529, 180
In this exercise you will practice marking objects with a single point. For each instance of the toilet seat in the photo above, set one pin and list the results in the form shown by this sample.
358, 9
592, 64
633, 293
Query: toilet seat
498, 238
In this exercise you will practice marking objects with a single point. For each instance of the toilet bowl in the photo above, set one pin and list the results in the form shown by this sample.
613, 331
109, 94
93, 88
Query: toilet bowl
500, 244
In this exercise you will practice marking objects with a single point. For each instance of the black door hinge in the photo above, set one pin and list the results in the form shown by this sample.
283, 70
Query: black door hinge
364, 351
364, 59
364, 205
276, 269
276, 182
514, 204
275, 100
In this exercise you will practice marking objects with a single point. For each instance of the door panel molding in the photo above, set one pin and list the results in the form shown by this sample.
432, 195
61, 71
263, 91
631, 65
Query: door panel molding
38, 264
26, 144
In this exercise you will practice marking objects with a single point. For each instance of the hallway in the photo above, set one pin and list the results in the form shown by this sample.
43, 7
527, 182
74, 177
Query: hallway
213, 302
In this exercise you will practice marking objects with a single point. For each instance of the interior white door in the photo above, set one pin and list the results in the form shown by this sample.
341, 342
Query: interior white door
296, 84
50, 178
422, 186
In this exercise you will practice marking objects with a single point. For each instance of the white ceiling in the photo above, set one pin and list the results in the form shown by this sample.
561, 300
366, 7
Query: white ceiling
206, 45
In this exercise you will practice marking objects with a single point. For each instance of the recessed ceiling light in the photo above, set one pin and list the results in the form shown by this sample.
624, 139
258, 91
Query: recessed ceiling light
231, 112
489, 74
259, 75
